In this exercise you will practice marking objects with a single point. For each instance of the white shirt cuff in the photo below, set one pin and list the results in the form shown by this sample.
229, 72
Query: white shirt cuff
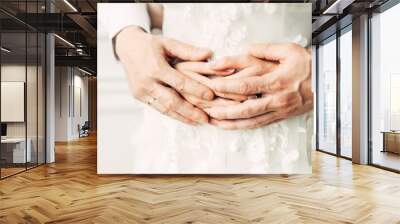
114, 17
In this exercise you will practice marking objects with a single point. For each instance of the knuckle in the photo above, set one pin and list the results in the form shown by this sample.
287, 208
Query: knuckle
171, 104
244, 87
169, 107
191, 99
249, 111
258, 69
180, 84
139, 91
150, 89
284, 101
278, 84
253, 110
196, 116
244, 113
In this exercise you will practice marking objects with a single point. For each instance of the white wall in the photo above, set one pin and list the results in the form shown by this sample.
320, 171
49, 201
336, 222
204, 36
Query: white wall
34, 126
67, 115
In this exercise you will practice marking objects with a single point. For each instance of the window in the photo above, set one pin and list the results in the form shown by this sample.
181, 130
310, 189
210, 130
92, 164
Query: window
394, 102
327, 96
22, 101
346, 92
385, 89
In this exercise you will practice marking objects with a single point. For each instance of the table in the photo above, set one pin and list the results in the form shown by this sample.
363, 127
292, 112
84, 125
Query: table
17, 151
391, 141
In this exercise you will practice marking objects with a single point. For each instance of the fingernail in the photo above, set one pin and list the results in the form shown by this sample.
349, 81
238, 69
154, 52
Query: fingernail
211, 64
230, 70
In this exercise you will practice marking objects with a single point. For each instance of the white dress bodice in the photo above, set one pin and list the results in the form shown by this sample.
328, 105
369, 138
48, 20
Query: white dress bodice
164, 145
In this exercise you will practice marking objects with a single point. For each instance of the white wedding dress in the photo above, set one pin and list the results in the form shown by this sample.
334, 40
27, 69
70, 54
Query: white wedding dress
163, 145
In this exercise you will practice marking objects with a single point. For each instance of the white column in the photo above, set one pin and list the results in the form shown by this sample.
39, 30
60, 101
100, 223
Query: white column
360, 90
50, 99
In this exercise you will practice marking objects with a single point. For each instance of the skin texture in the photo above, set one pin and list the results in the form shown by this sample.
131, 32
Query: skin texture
152, 80
244, 65
286, 89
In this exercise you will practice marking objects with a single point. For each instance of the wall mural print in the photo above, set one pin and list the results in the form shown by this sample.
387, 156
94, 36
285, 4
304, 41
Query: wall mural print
216, 88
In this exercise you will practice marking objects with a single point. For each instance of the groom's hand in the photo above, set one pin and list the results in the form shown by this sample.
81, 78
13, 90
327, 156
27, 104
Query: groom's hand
153, 81
284, 92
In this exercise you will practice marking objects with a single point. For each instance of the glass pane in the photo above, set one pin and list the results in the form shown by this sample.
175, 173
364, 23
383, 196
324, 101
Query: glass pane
327, 97
346, 94
386, 89
13, 88
41, 98
32, 90
31, 100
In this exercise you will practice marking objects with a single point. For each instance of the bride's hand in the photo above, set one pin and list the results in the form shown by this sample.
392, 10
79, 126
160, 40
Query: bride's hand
154, 81
202, 73
285, 91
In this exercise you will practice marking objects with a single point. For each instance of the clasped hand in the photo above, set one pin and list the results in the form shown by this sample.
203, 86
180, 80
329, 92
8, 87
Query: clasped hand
274, 78
271, 82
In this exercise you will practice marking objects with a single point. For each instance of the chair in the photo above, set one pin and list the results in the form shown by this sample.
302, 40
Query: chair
84, 130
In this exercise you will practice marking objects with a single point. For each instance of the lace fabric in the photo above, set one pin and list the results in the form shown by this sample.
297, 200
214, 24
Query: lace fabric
163, 145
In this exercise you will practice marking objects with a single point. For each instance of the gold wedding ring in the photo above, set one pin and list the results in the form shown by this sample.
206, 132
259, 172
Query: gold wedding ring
149, 102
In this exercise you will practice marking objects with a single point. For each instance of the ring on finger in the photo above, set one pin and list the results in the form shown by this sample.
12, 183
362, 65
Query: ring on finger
151, 101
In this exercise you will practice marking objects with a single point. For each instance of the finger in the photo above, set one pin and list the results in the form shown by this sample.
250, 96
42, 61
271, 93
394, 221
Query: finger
173, 102
268, 83
254, 70
251, 123
241, 86
273, 52
232, 96
247, 72
206, 104
255, 107
207, 82
230, 62
196, 76
247, 109
306, 90
182, 83
202, 68
158, 106
184, 51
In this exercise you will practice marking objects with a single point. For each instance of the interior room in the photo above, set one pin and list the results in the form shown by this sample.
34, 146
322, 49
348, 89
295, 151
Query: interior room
385, 84
48, 150
22, 100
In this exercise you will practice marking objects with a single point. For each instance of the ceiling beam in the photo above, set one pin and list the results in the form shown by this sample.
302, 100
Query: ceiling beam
337, 7
81, 61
